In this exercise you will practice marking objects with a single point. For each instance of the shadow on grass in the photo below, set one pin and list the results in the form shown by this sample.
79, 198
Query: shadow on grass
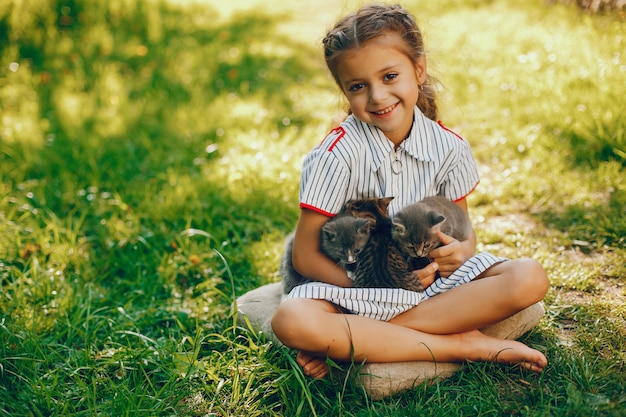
123, 227
594, 149
128, 104
591, 226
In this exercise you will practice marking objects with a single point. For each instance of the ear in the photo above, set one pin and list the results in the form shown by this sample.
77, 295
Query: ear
420, 69
436, 219
328, 232
398, 228
384, 203
363, 225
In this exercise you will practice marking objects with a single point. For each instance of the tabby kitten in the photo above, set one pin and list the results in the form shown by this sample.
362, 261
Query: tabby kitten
414, 227
381, 263
342, 238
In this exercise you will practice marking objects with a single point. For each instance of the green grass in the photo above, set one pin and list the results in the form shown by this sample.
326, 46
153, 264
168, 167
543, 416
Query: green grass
149, 165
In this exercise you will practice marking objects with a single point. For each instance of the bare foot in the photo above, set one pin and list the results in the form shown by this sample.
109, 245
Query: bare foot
312, 365
485, 348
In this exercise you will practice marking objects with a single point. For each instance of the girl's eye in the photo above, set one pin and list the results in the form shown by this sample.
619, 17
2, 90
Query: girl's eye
356, 87
389, 77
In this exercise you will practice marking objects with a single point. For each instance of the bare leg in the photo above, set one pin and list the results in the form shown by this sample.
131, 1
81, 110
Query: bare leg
315, 327
502, 291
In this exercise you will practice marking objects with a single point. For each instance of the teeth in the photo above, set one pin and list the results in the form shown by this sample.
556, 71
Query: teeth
385, 111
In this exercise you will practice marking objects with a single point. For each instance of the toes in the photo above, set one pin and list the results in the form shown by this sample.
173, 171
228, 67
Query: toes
312, 366
319, 372
535, 365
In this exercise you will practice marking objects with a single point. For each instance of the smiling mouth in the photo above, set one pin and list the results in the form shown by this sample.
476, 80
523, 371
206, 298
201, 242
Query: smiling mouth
385, 110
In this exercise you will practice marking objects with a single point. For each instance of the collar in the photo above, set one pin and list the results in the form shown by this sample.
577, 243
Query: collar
418, 144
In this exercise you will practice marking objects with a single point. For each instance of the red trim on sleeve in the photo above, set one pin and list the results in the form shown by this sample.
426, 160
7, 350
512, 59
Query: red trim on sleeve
340, 133
449, 130
315, 209
465, 196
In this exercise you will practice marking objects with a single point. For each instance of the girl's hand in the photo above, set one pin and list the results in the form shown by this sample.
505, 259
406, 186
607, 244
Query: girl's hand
452, 254
426, 275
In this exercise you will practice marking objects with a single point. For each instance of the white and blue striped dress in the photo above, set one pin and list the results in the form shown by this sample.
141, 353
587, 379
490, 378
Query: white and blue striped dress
356, 160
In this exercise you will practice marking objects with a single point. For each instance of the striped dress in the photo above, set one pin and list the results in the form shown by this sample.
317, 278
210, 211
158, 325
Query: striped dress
356, 160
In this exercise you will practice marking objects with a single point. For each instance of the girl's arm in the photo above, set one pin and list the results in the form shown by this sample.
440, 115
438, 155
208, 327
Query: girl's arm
307, 257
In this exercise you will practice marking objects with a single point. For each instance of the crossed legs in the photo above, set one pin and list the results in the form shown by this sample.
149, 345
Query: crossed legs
441, 329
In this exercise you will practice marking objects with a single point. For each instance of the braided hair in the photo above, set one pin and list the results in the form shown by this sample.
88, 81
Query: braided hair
370, 22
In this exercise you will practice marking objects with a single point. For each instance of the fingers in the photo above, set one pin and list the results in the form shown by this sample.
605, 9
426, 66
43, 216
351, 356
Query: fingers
448, 247
450, 256
426, 276
444, 238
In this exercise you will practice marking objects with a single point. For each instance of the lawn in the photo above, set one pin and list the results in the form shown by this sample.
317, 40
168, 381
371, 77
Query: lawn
149, 165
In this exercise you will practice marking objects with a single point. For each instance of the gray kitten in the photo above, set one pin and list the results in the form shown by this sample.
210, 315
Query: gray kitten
342, 239
414, 227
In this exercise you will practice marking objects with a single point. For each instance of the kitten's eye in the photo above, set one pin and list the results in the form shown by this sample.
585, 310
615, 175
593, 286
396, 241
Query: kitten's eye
357, 250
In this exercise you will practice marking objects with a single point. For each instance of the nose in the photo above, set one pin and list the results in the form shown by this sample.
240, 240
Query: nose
377, 93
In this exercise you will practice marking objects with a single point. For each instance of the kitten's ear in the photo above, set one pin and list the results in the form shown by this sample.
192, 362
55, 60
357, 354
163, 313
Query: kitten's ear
384, 202
398, 228
329, 231
364, 225
436, 219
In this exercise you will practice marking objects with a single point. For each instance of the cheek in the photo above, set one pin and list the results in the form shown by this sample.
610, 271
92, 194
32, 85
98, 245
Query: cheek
357, 103
410, 91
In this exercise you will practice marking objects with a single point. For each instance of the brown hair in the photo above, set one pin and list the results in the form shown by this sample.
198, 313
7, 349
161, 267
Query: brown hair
370, 22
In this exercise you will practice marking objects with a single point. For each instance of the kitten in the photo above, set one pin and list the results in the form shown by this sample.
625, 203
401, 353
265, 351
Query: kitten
414, 227
381, 263
342, 238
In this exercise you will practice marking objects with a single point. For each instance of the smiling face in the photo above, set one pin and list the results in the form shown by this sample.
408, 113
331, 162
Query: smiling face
381, 84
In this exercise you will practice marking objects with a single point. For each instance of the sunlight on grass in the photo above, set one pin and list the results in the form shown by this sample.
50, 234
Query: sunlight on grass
266, 255
19, 120
307, 21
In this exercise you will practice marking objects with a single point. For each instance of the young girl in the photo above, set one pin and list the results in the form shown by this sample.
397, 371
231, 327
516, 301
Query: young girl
391, 145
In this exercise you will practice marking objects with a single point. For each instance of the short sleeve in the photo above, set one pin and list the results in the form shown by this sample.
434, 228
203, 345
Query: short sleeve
462, 177
324, 182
